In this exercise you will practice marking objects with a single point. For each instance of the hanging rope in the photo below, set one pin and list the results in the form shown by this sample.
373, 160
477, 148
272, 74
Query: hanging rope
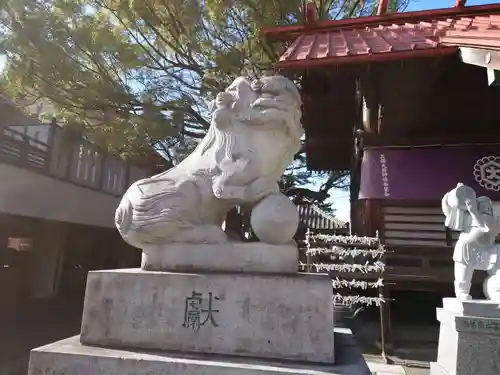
347, 256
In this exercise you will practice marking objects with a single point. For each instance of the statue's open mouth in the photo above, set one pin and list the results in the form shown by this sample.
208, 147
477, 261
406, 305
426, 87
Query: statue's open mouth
271, 103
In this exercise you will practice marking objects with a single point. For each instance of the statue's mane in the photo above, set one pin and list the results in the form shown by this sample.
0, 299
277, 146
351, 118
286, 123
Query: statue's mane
220, 139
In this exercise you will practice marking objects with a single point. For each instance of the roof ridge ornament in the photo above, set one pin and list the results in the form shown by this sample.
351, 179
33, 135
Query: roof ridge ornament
383, 5
311, 13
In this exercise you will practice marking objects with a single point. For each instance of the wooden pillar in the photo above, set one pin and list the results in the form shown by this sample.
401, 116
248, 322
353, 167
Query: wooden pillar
372, 106
356, 160
385, 309
386, 320
374, 219
49, 241
62, 245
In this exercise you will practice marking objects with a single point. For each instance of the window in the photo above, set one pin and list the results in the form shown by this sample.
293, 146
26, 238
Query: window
20, 244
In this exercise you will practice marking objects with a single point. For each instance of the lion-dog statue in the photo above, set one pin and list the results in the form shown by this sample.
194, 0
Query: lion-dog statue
254, 133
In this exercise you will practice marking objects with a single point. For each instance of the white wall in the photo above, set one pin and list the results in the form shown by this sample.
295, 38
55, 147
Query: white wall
27, 193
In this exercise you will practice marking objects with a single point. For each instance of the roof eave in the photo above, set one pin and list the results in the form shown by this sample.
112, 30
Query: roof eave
493, 44
290, 32
368, 58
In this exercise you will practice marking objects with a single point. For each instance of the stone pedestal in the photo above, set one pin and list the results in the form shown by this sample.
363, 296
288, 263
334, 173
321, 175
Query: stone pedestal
158, 322
469, 338
252, 315
230, 257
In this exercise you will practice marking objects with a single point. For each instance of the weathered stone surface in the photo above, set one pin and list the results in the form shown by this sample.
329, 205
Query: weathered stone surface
69, 357
270, 316
437, 369
254, 133
275, 219
484, 308
230, 257
468, 344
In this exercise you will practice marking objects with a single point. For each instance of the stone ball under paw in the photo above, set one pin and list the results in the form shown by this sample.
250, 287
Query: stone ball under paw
491, 287
275, 219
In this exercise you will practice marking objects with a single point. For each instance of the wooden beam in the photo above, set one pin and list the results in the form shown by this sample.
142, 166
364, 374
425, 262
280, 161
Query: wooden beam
485, 58
370, 111
329, 62
493, 77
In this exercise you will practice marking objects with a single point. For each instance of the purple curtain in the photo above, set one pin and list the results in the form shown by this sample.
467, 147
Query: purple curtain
427, 173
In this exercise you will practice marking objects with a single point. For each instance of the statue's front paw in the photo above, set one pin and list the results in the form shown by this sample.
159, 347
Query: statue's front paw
209, 234
260, 189
463, 297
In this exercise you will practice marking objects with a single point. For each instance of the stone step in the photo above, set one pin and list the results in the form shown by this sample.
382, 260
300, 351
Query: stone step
384, 369
257, 315
437, 369
69, 357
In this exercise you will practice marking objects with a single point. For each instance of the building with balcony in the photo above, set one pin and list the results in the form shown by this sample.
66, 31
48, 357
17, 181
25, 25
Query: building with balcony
58, 194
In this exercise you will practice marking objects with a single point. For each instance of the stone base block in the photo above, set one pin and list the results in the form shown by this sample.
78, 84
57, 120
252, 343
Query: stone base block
269, 316
469, 338
484, 308
437, 369
69, 357
229, 257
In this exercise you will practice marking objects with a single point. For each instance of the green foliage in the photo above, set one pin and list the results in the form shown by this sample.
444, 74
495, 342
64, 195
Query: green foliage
131, 74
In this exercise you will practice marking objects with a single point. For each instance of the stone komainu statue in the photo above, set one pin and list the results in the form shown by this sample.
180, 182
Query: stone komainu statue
254, 134
475, 249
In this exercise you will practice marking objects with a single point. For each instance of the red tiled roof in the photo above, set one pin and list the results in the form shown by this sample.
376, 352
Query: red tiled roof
291, 32
409, 39
479, 32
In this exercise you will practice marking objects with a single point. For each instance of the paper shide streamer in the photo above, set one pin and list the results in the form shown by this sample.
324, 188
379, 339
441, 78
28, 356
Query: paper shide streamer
348, 255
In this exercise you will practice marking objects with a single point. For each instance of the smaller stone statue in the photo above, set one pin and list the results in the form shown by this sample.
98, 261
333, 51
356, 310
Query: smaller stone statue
475, 249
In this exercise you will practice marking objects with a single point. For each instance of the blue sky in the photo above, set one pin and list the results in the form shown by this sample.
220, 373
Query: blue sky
436, 4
